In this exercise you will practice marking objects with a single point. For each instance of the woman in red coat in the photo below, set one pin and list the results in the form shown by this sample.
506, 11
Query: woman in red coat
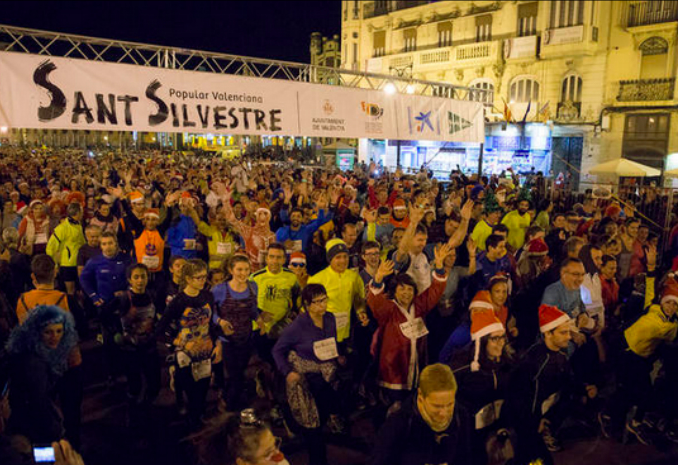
402, 329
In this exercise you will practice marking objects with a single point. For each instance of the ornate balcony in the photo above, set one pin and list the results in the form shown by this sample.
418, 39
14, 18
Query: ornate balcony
643, 90
646, 13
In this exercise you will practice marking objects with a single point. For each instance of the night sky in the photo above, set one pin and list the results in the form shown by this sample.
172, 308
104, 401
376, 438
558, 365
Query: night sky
276, 30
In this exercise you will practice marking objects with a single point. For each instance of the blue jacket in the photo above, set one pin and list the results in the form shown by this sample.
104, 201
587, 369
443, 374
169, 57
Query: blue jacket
184, 229
305, 232
102, 277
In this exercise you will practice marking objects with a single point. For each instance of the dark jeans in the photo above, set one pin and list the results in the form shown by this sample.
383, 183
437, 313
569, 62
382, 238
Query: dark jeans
142, 364
633, 387
196, 392
236, 358
70, 391
327, 402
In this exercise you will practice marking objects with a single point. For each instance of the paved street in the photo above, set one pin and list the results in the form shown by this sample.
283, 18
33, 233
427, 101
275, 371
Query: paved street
159, 436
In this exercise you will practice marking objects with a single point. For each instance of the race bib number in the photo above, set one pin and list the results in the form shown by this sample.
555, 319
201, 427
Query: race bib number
189, 244
224, 248
183, 360
414, 329
151, 261
41, 238
489, 414
201, 370
326, 349
342, 319
296, 247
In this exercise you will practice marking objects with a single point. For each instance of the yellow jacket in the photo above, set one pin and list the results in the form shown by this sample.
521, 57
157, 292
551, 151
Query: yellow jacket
651, 329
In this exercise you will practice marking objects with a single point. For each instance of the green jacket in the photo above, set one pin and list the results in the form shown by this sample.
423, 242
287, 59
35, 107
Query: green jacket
65, 242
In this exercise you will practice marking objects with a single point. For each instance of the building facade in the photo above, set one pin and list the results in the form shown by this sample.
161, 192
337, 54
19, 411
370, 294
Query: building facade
591, 80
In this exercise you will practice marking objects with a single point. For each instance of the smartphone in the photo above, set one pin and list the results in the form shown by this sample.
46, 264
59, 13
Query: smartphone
43, 454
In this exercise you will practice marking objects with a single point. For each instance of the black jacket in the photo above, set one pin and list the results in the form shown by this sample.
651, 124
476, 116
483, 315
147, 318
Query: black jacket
407, 439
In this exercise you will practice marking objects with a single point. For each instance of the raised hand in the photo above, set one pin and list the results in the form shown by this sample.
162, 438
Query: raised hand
467, 210
440, 253
385, 269
471, 246
416, 214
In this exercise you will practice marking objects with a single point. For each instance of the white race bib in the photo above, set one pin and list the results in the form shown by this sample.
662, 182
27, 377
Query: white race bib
489, 414
183, 360
201, 370
224, 248
41, 238
151, 261
414, 329
189, 244
342, 320
326, 349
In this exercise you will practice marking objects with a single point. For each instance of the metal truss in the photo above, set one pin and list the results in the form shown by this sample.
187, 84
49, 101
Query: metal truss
37, 42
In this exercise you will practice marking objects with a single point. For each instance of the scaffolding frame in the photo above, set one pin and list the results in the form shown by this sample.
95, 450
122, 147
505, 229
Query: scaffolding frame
47, 43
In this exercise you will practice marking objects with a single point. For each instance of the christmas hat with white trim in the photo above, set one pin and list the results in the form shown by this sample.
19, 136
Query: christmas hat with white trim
551, 317
483, 323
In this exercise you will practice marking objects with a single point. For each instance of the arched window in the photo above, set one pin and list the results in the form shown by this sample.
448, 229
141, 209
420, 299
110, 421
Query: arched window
484, 97
571, 89
654, 60
524, 89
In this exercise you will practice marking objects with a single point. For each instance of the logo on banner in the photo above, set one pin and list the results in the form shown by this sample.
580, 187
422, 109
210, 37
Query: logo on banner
423, 122
457, 123
328, 108
374, 113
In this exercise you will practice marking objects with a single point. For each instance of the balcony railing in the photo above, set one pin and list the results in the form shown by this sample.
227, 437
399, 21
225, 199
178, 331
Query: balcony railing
643, 90
646, 13
382, 8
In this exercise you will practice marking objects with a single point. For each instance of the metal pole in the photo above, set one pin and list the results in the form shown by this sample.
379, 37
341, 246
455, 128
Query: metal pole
398, 156
480, 160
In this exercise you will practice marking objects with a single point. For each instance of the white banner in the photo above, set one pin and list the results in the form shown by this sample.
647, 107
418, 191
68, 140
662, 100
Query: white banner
62, 93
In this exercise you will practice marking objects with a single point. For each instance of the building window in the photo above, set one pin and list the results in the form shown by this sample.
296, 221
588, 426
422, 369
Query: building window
524, 89
444, 34
567, 13
571, 90
484, 28
356, 9
379, 43
345, 11
646, 138
653, 64
527, 19
355, 56
483, 97
410, 38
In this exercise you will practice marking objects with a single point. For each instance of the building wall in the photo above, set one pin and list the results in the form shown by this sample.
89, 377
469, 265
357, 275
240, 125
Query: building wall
601, 45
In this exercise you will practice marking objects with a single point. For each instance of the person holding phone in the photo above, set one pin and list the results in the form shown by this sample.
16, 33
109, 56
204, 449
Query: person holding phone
39, 351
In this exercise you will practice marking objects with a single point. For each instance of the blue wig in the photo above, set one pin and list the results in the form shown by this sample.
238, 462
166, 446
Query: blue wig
27, 338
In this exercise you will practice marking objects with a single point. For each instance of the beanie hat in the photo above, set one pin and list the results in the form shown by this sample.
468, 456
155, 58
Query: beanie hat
76, 197
152, 212
476, 190
551, 317
298, 257
481, 301
482, 323
136, 197
399, 204
613, 210
35, 202
670, 291
334, 247
537, 247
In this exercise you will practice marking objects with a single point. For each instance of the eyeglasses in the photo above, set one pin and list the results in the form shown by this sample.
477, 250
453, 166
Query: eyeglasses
201, 277
498, 339
297, 265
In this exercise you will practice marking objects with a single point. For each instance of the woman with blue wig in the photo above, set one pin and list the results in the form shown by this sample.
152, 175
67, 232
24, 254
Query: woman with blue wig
38, 351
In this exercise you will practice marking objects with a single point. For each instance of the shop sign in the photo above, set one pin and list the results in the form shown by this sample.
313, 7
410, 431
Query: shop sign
564, 35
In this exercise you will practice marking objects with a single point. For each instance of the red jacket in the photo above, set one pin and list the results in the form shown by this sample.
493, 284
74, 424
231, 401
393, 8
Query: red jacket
401, 358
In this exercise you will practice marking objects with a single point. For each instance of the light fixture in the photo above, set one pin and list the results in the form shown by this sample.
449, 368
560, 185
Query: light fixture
3, 129
410, 89
390, 89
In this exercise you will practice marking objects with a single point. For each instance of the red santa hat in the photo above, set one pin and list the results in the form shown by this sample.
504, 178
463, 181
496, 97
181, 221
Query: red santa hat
670, 291
298, 257
136, 197
399, 204
152, 212
551, 317
483, 322
537, 247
